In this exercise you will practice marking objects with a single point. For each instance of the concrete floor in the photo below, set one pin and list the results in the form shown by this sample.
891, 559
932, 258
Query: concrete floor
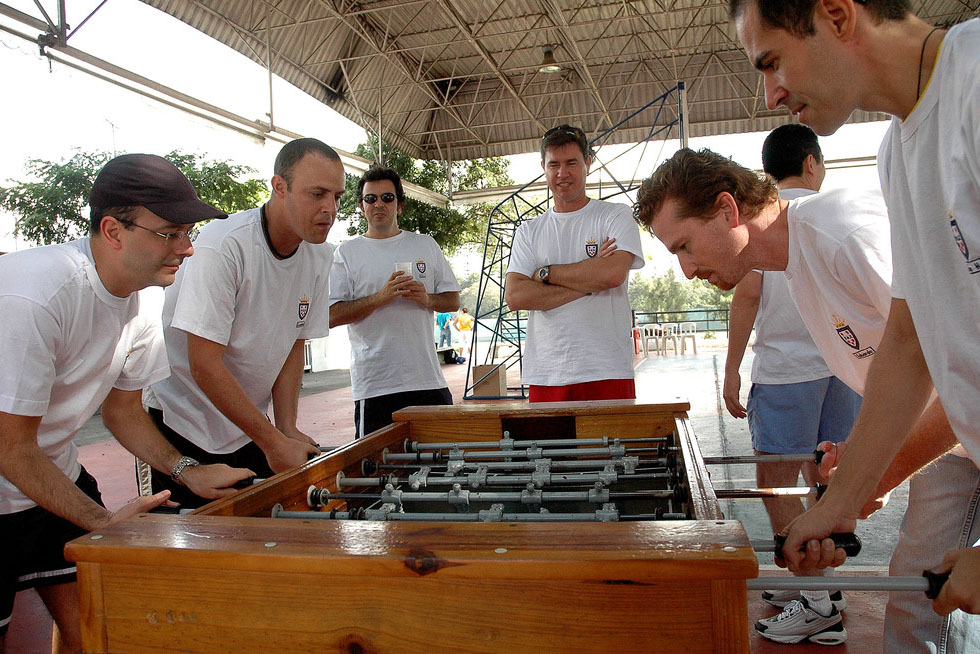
326, 414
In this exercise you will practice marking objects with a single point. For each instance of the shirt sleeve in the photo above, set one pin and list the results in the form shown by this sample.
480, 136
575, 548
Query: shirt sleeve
864, 262
205, 305
521, 253
341, 283
446, 279
627, 234
146, 362
318, 320
27, 352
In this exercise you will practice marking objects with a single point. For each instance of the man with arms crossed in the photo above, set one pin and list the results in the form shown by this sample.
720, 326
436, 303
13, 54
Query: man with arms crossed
823, 59
569, 268
237, 318
386, 285
795, 401
74, 338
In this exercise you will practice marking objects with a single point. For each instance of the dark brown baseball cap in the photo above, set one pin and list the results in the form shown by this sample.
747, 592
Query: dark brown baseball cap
150, 181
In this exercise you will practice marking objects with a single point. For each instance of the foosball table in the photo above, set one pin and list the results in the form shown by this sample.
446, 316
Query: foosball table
587, 527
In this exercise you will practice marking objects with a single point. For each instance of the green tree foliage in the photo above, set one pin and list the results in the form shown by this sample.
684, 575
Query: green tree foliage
668, 293
451, 228
54, 208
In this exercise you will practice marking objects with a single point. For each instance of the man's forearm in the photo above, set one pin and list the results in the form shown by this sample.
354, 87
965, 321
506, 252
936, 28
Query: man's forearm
26, 466
124, 416
592, 275
896, 391
285, 390
931, 438
522, 293
444, 302
344, 313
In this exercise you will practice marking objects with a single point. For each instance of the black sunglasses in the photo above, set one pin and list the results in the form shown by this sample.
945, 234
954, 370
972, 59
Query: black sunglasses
371, 198
567, 129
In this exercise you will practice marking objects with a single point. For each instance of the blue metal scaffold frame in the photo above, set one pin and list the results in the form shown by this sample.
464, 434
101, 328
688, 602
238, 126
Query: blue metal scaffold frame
507, 327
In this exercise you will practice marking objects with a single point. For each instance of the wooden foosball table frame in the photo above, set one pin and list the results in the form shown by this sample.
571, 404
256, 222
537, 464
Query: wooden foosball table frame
227, 578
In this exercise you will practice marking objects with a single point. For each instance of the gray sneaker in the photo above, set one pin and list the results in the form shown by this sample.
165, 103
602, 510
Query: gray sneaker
780, 598
799, 622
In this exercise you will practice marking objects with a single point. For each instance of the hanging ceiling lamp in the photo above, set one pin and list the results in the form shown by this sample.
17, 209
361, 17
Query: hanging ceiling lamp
548, 63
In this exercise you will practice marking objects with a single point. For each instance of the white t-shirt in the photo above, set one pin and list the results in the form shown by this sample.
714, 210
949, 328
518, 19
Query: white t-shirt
930, 172
839, 272
67, 341
784, 351
392, 350
233, 291
587, 339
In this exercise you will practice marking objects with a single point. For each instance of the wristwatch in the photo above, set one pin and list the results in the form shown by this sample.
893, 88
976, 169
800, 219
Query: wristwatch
543, 273
184, 462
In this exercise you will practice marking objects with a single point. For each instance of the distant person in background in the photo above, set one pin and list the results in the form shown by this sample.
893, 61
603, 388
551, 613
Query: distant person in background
464, 329
444, 320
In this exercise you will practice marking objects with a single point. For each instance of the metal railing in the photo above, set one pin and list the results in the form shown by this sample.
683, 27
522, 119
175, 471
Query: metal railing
707, 320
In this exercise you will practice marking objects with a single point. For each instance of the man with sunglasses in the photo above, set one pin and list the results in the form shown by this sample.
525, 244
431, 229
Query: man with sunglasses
237, 318
385, 285
822, 59
75, 337
569, 268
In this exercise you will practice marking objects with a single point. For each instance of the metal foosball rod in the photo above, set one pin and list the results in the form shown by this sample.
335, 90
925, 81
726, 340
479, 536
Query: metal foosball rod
765, 493
528, 453
390, 513
425, 477
626, 463
507, 443
816, 457
317, 497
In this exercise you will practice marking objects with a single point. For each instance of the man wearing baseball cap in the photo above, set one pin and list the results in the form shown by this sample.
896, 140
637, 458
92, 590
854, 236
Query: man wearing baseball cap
74, 339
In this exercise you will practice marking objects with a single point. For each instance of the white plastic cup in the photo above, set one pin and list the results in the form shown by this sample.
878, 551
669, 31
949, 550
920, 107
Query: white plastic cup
405, 268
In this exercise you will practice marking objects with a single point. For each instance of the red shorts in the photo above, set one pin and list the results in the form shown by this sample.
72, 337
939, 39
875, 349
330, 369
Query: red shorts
604, 389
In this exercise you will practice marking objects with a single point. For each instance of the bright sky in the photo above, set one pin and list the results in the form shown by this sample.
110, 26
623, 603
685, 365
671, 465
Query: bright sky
51, 110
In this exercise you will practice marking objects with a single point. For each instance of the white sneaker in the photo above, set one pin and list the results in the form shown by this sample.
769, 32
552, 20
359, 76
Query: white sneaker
799, 622
780, 598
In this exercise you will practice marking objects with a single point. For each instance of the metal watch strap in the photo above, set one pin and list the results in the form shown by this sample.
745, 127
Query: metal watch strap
544, 273
184, 462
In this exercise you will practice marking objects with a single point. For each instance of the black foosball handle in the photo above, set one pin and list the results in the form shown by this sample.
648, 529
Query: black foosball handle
936, 582
850, 543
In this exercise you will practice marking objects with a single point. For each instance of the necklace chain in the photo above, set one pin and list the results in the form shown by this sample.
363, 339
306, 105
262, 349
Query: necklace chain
922, 56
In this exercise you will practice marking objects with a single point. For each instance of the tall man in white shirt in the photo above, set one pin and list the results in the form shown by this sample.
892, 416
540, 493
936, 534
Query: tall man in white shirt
569, 268
74, 337
822, 60
236, 321
386, 285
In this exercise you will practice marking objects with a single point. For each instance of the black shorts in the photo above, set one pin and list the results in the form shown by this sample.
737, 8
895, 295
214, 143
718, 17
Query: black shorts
248, 456
32, 549
374, 413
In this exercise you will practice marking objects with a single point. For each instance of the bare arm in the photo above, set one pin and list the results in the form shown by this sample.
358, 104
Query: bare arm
896, 392
741, 317
28, 468
439, 302
123, 414
285, 393
212, 375
522, 292
593, 275
343, 313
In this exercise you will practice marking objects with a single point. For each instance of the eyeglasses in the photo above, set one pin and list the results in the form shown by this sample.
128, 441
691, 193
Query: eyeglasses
169, 237
371, 198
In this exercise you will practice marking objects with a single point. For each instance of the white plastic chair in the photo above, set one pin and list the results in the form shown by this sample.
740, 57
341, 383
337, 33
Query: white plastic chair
651, 332
689, 330
668, 332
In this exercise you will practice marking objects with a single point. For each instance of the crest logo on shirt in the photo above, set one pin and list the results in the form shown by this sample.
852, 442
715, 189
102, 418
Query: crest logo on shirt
850, 338
845, 332
304, 307
972, 265
591, 248
420, 266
